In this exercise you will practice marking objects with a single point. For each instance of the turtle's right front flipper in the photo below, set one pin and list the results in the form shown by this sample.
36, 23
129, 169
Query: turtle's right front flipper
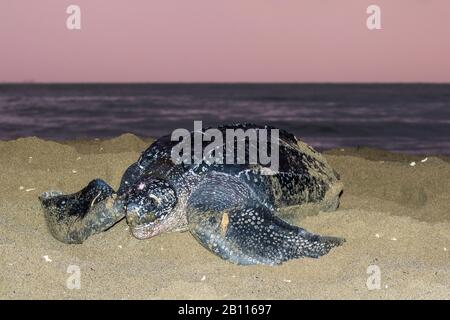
73, 218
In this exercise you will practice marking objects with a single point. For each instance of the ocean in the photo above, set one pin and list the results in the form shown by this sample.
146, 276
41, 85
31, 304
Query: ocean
409, 118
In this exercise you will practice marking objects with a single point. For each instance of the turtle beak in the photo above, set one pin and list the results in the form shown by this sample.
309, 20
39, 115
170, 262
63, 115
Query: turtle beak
143, 225
146, 231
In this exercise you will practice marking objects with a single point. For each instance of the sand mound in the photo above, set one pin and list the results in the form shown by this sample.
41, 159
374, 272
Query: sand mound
397, 187
124, 143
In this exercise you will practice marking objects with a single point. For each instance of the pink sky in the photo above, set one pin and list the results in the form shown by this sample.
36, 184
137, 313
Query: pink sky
225, 41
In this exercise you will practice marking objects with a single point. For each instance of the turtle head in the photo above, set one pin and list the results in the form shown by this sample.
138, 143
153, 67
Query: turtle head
149, 203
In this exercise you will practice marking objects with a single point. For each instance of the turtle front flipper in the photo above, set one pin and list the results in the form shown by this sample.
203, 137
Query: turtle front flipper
253, 235
74, 217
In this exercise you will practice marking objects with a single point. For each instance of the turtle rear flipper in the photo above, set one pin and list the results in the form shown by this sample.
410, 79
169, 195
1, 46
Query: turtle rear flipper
253, 235
74, 217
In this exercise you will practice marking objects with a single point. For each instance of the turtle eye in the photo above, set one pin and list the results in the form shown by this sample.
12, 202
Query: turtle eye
154, 200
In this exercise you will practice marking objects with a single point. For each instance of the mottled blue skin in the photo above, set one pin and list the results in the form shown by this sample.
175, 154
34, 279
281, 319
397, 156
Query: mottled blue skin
232, 210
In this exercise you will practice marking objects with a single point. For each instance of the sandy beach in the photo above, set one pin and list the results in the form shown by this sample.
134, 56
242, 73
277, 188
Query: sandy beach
394, 215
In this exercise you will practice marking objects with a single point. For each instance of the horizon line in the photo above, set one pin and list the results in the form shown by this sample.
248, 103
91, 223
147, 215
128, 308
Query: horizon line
218, 82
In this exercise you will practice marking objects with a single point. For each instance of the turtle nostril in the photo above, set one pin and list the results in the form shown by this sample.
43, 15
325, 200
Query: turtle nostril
136, 216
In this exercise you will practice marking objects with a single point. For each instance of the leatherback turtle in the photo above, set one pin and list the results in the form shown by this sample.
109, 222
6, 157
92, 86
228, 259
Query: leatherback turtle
232, 210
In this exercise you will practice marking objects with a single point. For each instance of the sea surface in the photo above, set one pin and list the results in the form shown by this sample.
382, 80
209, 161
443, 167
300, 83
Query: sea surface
410, 118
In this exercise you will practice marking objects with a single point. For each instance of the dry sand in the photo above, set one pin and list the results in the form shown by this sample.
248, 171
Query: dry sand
393, 215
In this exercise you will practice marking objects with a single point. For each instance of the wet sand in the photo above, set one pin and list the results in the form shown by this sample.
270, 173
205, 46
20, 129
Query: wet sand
394, 216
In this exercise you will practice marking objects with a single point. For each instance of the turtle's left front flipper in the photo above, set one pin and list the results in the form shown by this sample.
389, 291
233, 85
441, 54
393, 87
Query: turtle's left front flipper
74, 217
253, 235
